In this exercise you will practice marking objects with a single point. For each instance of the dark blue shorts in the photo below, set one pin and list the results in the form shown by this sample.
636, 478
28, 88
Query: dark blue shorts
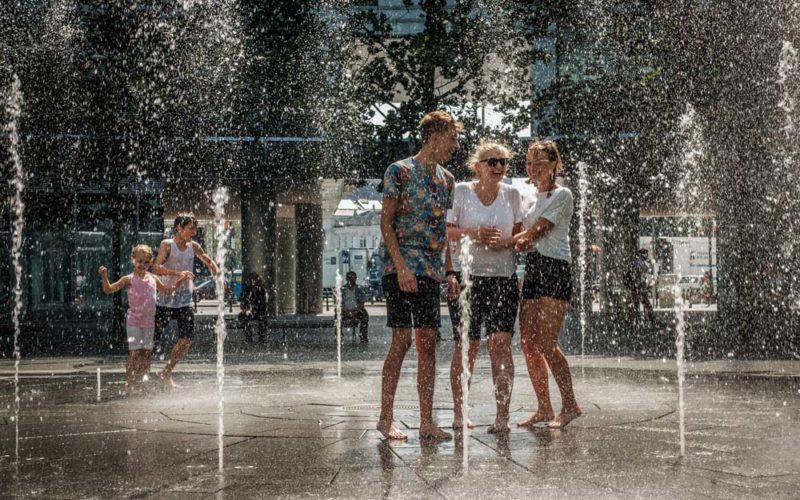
547, 277
493, 302
184, 316
412, 310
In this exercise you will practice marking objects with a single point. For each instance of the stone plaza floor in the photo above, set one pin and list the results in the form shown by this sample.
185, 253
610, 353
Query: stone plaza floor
293, 429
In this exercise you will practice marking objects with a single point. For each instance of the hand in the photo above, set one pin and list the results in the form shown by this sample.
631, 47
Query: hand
186, 275
406, 280
499, 244
453, 288
523, 245
103, 271
488, 235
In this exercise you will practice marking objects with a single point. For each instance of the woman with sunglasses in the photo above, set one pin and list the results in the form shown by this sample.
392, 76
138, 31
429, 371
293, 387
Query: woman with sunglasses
489, 212
547, 288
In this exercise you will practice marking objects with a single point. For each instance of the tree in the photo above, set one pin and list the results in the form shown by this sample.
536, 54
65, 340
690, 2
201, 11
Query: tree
459, 59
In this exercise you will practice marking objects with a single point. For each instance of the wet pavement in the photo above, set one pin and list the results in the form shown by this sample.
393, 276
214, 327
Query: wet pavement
293, 429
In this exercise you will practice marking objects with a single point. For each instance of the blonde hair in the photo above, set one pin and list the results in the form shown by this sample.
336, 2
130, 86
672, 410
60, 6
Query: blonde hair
550, 149
438, 121
145, 249
483, 147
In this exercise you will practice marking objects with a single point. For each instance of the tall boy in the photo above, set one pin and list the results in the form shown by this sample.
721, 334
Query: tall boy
417, 193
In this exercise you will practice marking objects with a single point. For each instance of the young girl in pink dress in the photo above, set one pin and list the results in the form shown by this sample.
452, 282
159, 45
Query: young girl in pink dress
140, 323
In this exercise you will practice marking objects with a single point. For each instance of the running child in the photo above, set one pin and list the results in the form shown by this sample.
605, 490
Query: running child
140, 322
175, 261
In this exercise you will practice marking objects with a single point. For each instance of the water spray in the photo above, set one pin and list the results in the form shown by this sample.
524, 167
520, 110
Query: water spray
679, 358
337, 293
583, 189
17, 183
220, 198
464, 328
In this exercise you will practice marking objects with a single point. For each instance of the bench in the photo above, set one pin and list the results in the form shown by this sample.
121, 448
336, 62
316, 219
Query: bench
288, 322
282, 324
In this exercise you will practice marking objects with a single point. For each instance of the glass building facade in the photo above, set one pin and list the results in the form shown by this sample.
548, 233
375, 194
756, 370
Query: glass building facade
68, 235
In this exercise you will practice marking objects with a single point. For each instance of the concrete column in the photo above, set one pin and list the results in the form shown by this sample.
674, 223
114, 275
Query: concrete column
259, 229
310, 244
286, 258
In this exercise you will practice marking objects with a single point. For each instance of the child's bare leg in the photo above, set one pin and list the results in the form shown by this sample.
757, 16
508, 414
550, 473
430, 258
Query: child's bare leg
502, 377
426, 377
401, 342
455, 380
178, 352
130, 370
144, 363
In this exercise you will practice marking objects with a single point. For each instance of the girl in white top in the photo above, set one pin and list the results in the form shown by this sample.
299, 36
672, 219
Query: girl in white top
488, 211
547, 288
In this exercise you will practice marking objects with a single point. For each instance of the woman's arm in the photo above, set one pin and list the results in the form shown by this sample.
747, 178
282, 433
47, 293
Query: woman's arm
510, 241
455, 233
525, 239
485, 235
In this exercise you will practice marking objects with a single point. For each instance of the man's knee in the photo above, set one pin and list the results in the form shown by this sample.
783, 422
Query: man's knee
426, 341
401, 339
499, 341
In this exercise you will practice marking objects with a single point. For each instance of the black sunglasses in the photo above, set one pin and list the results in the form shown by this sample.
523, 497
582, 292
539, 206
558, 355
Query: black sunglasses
493, 162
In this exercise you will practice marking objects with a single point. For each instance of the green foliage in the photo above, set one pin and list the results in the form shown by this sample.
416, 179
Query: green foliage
440, 63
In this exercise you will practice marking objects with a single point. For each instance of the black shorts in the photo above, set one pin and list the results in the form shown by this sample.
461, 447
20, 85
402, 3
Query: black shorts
412, 310
494, 302
547, 277
184, 316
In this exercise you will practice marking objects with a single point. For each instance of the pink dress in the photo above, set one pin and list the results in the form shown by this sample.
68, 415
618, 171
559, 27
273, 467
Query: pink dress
142, 302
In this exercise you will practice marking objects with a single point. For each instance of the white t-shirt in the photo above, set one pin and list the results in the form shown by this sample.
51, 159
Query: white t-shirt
557, 208
468, 213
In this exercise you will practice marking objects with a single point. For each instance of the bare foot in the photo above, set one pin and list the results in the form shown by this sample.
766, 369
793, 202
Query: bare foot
433, 433
458, 424
167, 380
566, 416
539, 416
390, 431
499, 427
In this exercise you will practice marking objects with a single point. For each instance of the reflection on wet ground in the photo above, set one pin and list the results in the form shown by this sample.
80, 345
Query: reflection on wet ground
296, 430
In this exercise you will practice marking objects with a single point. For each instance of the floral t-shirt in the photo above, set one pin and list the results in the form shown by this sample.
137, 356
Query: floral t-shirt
419, 223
